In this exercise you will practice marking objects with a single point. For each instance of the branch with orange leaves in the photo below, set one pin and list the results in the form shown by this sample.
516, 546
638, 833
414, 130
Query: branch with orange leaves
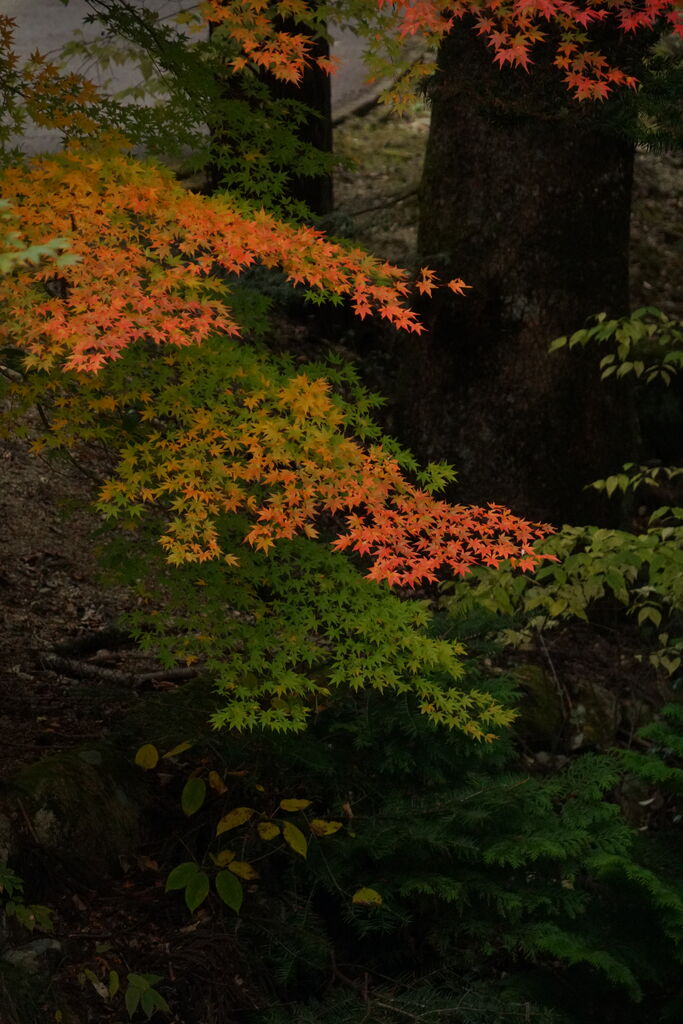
154, 265
510, 27
152, 257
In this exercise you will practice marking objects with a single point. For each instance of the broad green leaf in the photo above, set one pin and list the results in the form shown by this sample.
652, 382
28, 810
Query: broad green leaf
147, 757
319, 827
268, 829
366, 897
295, 838
294, 805
132, 999
649, 612
114, 983
193, 796
196, 890
230, 890
143, 981
181, 875
237, 816
148, 1002
243, 869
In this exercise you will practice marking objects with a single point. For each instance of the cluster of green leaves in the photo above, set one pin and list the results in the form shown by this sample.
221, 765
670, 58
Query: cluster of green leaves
32, 916
648, 344
139, 992
642, 573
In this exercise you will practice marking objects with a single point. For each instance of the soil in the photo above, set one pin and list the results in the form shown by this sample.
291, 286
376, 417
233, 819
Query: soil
51, 594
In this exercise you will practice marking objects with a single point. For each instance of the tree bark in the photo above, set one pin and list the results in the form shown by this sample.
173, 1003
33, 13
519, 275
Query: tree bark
314, 91
526, 196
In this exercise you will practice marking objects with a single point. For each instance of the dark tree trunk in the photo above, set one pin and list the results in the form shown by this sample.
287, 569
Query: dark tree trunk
526, 196
315, 92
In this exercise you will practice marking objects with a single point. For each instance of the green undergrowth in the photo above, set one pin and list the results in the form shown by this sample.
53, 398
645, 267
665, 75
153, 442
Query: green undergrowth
502, 889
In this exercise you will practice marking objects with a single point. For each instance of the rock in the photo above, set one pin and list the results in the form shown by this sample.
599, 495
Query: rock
36, 957
542, 716
84, 811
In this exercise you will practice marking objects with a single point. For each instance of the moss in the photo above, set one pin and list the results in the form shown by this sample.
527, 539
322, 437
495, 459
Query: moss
542, 711
83, 807
21, 996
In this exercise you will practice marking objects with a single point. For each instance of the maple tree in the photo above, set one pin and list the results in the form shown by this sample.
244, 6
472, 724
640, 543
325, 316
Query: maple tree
260, 454
229, 447
543, 249
510, 29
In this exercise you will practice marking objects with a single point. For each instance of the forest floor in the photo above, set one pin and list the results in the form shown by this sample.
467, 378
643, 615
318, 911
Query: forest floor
51, 593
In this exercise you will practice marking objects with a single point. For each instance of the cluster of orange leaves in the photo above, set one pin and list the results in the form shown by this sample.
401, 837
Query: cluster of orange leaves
152, 260
149, 254
510, 27
292, 448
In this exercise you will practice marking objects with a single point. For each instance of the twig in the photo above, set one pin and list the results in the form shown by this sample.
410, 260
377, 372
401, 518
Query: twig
391, 201
29, 823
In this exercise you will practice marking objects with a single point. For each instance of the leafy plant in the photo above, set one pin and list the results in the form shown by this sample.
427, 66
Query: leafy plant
586, 566
647, 344
139, 992
484, 865
250, 828
31, 916
642, 573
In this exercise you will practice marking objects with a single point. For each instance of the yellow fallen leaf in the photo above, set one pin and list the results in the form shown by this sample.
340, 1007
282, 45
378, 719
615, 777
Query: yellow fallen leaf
237, 816
243, 869
366, 897
319, 827
294, 805
147, 757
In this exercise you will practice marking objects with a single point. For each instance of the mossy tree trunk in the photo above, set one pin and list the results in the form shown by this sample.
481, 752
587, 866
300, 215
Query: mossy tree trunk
526, 195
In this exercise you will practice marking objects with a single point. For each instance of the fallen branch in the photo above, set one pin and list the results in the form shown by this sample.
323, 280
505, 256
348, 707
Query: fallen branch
111, 637
83, 670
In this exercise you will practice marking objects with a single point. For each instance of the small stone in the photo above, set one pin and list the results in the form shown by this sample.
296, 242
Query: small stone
35, 957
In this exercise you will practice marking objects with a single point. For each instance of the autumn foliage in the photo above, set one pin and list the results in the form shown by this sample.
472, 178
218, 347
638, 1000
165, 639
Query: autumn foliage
150, 260
512, 28
233, 452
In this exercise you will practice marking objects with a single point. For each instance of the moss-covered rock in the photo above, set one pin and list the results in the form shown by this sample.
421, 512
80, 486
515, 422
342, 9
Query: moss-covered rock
82, 808
542, 713
22, 995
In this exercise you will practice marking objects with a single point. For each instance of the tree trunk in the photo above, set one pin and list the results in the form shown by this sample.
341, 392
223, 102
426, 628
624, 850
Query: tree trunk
526, 196
314, 91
